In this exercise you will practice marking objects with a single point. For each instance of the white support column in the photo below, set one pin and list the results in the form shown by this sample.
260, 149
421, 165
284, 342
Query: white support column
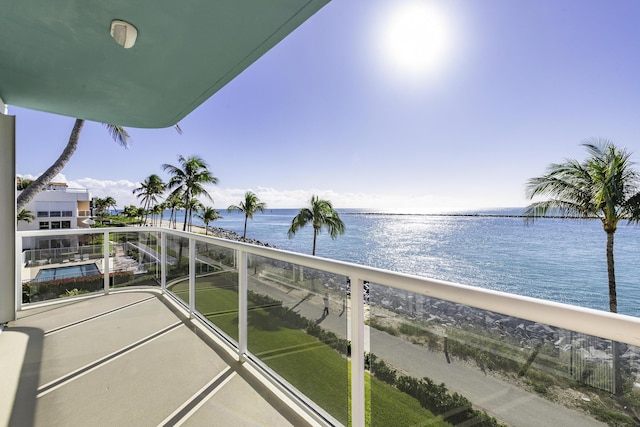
242, 305
357, 351
18, 281
192, 277
106, 251
8, 255
163, 261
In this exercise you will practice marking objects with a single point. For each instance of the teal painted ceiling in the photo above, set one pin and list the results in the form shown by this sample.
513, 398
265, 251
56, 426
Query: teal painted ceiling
58, 56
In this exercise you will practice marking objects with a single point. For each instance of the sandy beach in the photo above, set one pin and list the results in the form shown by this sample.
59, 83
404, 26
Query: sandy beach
194, 228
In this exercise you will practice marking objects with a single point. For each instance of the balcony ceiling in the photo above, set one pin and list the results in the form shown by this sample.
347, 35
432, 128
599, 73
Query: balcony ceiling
58, 56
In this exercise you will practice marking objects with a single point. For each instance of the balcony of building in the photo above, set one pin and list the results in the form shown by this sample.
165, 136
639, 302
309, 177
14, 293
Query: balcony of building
162, 327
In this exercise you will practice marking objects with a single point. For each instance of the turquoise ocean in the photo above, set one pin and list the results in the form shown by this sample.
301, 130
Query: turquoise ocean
560, 260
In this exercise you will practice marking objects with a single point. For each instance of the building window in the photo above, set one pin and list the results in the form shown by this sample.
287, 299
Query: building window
44, 225
54, 214
43, 214
67, 214
55, 225
66, 224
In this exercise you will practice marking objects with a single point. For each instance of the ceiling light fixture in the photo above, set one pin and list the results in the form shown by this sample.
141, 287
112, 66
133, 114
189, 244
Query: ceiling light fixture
123, 33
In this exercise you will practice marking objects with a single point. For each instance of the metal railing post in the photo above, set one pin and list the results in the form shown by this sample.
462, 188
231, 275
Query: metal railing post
242, 305
163, 261
107, 255
357, 352
192, 277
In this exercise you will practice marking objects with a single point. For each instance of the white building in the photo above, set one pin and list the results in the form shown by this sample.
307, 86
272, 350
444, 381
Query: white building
57, 207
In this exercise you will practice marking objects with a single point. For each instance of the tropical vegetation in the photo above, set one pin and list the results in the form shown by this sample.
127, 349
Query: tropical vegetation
187, 182
250, 205
149, 191
207, 215
25, 215
604, 186
320, 214
118, 133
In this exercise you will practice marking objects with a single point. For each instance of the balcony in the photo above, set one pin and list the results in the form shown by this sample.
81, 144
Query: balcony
162, 327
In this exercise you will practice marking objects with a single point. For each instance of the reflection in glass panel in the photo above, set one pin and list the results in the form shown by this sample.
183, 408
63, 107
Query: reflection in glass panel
298, 327
445, 357
135, 259
61, 266
178, 266
217, 287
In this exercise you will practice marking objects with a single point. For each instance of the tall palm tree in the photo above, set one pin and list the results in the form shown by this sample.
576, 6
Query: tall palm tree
118, 133
156, 211
188, 181
149, 191
193, 206
25, 215
250, 205
207, 215
110, 202
174, 202
604, 186
100, 205
319, 213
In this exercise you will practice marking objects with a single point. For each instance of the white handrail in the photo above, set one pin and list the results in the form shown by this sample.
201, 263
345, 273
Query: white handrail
617, 327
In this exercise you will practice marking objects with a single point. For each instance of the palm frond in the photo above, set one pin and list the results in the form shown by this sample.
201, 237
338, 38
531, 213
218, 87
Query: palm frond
119, 134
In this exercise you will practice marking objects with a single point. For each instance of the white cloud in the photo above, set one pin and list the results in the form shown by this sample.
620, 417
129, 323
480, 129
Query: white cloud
122, 192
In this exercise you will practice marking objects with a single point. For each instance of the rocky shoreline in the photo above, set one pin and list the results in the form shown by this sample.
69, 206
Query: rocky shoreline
232, 235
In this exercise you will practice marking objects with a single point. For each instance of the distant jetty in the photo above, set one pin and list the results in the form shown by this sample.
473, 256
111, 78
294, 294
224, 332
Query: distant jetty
475, 215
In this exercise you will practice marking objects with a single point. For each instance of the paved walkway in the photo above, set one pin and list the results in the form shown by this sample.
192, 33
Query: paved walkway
503, 400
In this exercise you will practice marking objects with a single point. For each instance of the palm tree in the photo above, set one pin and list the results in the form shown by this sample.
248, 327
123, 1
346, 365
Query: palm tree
250, 205
207, 215
157, 210
188, 181
174, 202
25, 215
193, 206
130, 211
100, 206
149, 190
110, 202
118, 133
319, 213
604, 186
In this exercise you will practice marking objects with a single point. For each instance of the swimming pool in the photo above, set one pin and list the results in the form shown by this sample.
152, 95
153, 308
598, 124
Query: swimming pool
47, 274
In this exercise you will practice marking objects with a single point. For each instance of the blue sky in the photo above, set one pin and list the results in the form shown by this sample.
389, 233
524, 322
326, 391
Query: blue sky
456, 115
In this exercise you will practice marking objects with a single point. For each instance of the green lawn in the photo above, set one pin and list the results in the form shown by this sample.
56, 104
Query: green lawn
314, 368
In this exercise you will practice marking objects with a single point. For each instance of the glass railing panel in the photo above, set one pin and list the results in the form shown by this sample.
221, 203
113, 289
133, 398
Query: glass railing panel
457, 364
297, 326
134, 259
57, 266
217, 287
178, 266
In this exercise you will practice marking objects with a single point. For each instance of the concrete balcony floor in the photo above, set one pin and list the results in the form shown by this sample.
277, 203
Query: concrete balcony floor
126, 359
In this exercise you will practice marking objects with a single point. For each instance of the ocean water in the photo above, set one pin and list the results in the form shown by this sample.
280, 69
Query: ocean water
553, 259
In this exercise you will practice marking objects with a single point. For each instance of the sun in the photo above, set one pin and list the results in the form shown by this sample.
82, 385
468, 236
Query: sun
415, 38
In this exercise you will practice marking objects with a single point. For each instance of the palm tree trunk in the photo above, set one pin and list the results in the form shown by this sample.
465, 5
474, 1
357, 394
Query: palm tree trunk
613, 299
186, 213
244, 235
613, 307
44, 179
315, 234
